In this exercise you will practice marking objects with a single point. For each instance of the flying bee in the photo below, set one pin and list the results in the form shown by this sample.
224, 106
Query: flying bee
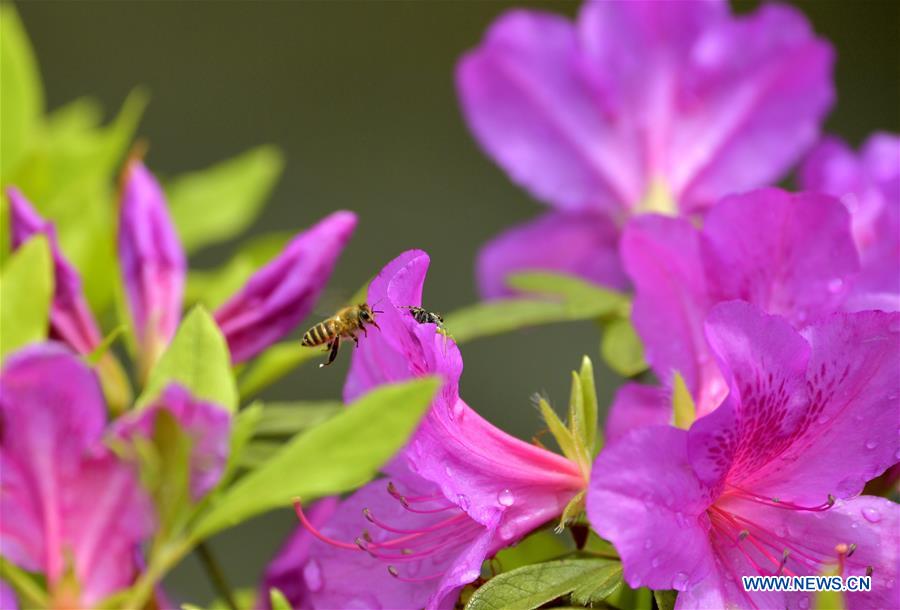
423, 316
344, 324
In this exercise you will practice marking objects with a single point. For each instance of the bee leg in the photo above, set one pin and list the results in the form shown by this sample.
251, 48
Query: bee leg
363, 328
355, 339
334, 352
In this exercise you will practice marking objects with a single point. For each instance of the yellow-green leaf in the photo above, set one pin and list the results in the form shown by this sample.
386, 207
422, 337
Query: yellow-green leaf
26, 292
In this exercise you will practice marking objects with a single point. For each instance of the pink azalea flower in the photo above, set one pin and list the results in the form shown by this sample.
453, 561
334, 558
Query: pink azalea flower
71, 319
152, 261
207, 424
71, 509
65, 496
789, 254
638, 106
869, 185
267, 308
768, 482
460, 491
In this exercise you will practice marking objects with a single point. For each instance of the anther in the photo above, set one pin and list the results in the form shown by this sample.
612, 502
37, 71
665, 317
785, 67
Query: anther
368, 515
830, 502
393, 571
784, 558
851, 550
869, 570
743, 535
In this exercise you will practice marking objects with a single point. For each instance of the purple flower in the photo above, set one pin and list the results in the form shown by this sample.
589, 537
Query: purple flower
278, 296
286, 571
71, 319
767, 483
267, 308
460, 491
64, 495
207, 424
153, 263
789, 254
639, 106
869, 185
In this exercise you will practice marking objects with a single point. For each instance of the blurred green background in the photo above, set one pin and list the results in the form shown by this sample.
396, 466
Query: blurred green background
360, 97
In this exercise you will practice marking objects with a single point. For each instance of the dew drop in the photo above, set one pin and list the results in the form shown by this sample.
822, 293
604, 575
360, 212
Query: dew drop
458, 409
803, 602
854, 525
782, 532
648, 543
506, 498
680, 582
312, 574
871, 515
655, 562
822, 419
835, 285
470, 575
507, 532
462, 501
871, 444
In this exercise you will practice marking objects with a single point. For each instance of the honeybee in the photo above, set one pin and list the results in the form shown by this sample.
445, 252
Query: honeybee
343, 324
423, 316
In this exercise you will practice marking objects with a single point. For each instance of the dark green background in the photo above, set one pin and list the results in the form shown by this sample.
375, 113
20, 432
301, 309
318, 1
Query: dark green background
360, 97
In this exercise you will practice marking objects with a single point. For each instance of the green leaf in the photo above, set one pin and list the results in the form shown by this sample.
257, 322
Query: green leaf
30, 593
542, 545
340, 454
198, 359
602, 583
558, 429
579, 294
622, 349
242, 429
684, 412
589, 390
101, 350
257, 453
535, 585
273, 364
289, 418
213, 287
219, 202
506, 315
665, 600
26, 286
278, 600
21, 96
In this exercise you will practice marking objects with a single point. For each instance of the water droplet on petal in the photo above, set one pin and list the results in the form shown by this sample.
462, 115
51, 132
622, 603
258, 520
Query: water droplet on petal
458, 408
871, 444
470, 575
462, 501
781, 532
506, 498
854, 525
835, 285
312, 574
871, 515
655, 562
803, 602
680, 582
648, 543
448, 471
507, 532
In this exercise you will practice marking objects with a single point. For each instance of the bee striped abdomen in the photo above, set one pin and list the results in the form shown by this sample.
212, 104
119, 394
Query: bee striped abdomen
318, 334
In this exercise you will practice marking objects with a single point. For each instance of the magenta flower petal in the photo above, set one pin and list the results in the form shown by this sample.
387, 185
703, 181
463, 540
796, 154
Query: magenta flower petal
815, 394
528, 97
278, 296
645, 499
703, 103
792, 255
583, 245
64, 493
208, 425
286, 571
663, 258
869, 185
152, 261
636, 405
753, 485
70, 316
7, 597
462, 488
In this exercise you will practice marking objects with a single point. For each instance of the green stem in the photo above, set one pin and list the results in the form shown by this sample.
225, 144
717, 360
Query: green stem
216, 574
30, 594
162, 562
